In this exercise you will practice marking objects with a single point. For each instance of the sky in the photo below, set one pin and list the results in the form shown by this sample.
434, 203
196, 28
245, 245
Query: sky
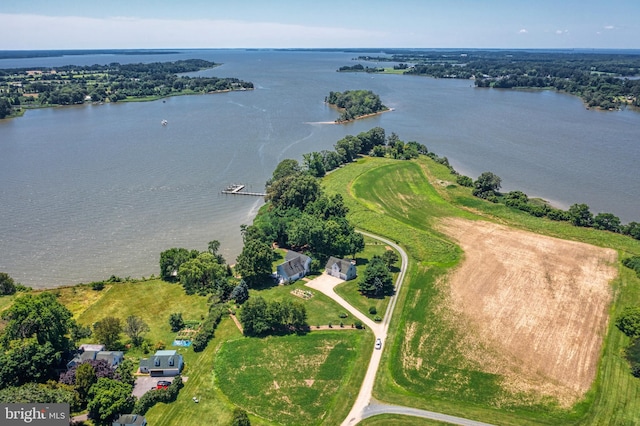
158, 24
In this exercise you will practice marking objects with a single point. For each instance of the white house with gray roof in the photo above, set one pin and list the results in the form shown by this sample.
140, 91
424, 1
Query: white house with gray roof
295, 266
341, 268
162, 363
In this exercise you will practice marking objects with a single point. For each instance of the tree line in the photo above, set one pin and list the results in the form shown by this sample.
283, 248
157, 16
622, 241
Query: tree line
71, 84
600, 79
628, 321
487, 187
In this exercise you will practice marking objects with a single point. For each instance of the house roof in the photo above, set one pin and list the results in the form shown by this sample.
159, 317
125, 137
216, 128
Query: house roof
343, 265
295, 265
92, 347
112, 357
163, 360
84, 354
294, 254
130, 419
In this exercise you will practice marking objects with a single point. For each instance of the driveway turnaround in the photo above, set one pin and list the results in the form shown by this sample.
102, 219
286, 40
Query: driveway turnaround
364, 407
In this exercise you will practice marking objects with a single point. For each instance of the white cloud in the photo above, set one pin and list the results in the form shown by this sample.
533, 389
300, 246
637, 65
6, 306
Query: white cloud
609, 27
523, 31
562, 32
71, 32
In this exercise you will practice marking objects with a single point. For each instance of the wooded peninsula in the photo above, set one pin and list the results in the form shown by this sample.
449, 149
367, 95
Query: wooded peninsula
355, 104
602, 80
23, 88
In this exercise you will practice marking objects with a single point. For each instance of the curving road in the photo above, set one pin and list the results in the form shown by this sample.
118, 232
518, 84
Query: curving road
363, 406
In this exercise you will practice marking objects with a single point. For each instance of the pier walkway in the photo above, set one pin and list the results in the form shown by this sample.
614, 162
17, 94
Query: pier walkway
237, 189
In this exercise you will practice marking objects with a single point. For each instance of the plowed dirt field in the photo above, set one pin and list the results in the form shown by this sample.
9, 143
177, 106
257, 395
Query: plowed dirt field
536, 305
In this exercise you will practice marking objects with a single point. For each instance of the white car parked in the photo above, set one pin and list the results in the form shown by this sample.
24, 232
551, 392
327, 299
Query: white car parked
378, 343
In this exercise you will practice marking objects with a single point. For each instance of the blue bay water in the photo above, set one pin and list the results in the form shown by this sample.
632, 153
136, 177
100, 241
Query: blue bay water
99, 190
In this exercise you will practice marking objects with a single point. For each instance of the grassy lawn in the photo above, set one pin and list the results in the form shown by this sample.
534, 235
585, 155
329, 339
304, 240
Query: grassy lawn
295, 380
153, 301
213, 406
402, 201
321, 310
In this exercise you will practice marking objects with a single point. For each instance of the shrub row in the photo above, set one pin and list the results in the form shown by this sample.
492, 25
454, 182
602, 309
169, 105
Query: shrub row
208, 328
154, 396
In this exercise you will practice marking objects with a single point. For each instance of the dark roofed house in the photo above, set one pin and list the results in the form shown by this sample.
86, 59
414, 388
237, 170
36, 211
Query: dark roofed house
114, 358
163, 363
130, 420
341, 268
93, 352
295, 266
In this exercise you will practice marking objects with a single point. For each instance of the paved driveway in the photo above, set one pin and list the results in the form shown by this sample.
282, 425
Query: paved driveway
145, 383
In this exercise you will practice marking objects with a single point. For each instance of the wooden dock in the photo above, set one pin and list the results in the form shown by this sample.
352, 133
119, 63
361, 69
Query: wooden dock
237, 189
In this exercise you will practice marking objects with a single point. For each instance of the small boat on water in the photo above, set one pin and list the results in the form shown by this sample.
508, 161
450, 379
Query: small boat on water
164, 122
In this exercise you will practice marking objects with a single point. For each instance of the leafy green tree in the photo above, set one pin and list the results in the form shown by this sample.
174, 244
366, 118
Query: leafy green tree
213, 248
629, 322
328, 207
348, 148
355, 241
7, 286
125, 370
108, 399
50, 393
390, 257
486, 185
377, 280
27, 360
632, 229
5, 107
287, 167
307, 230
293, 191
41, 316
176, 322
371, 138
607, 222
253, 316
198, 275
240, 418
107, 331
254, 264
464, 181
240, 293
135, 327
85, 378
330, 160
172, 259
580, 215
314, 164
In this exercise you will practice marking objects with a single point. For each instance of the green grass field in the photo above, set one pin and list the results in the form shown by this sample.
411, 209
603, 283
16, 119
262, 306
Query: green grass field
153, 301
397, 200
295, 380
321, 310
